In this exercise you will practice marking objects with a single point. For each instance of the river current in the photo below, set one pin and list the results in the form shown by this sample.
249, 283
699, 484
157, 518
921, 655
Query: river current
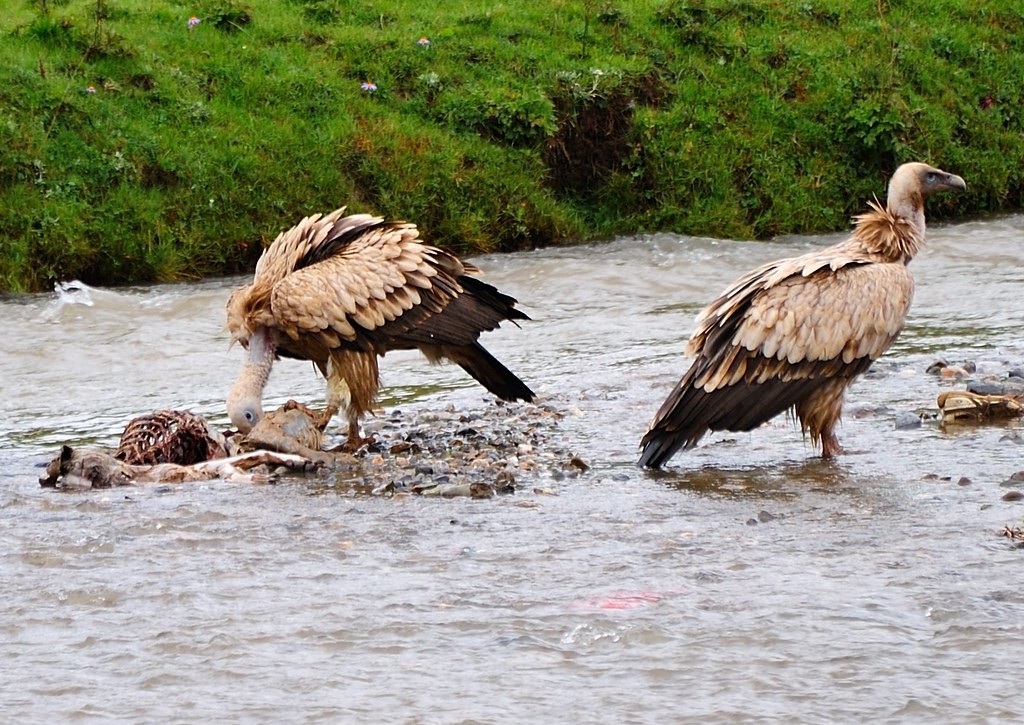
750, 581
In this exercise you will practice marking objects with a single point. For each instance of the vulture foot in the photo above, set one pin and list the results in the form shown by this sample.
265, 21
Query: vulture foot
353, 444
830, 446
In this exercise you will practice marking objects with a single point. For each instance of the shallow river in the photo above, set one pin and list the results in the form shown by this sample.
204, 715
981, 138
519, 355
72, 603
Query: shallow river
750, 581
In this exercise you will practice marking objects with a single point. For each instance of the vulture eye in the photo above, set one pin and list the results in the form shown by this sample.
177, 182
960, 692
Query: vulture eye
931, 177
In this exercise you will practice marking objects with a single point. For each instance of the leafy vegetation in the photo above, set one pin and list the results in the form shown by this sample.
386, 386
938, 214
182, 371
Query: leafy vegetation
162, 140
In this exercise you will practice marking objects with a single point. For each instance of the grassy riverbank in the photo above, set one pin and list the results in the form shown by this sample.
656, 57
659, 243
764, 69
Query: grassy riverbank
134, 147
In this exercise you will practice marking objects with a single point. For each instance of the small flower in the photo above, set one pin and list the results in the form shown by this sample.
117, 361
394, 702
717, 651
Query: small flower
423, 42
368, 86
90, 89
193, 22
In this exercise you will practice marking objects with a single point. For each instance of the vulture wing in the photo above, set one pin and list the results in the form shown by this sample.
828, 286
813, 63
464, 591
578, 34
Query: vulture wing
777, 336
374, 285
365, 286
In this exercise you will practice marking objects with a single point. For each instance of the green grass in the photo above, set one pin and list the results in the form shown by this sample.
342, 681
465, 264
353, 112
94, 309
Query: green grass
515, 127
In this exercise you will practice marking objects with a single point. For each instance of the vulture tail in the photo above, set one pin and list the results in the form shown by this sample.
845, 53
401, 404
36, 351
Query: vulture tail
489, 372
661, 443
678, 423
689, 412
659, 446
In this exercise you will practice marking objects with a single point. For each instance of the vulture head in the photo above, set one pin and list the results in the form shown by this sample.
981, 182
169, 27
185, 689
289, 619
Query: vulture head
912, 184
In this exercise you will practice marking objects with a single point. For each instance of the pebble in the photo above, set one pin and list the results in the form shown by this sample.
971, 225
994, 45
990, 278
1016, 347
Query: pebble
1014, 387
906, 421
475, 454
947, 370
579, 463
984, 387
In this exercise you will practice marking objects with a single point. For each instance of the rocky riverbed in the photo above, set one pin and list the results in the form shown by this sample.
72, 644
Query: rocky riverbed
498, 448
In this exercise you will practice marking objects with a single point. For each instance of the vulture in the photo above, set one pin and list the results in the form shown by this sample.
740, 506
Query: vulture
342, 290
794, 334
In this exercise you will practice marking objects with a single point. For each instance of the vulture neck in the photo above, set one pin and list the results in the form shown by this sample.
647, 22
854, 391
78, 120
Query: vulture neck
261, 358
245, 399
896, 233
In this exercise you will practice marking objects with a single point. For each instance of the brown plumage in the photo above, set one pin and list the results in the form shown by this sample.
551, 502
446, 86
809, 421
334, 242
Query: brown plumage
342, 290
793, 334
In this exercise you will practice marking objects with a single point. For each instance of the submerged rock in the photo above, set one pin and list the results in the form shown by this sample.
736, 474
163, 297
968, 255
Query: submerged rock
986, 387
906, 421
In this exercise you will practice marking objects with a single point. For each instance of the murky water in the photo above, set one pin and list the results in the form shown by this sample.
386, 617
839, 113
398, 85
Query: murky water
874, 588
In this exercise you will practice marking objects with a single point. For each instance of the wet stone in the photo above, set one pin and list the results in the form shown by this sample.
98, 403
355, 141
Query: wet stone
1014, 387
1013, 496
578, 463
944, 369
984, 387
505, 482
504, 447
906, 421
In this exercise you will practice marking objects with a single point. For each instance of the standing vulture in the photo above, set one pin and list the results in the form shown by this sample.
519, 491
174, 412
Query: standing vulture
341, 291
795, 333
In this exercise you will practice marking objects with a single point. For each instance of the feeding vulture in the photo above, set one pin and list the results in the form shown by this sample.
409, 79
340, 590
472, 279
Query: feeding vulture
793, 334
342, 290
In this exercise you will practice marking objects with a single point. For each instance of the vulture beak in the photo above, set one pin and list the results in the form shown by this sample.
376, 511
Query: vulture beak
936, 181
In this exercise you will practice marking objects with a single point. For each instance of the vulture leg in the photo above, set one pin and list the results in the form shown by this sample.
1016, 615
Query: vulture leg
352, 382
819, 413
830, 446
